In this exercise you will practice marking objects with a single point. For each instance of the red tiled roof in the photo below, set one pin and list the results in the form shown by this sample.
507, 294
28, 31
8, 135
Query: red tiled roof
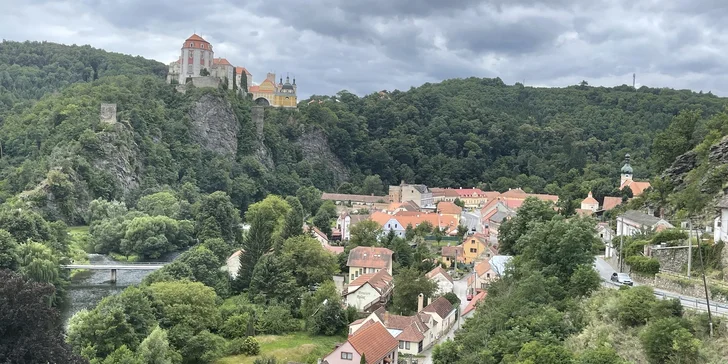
472, 304
411, 334
451, 251
445, 192
254, 88
374, 342
438, 270
240, 70
381, 281
196, 38
482, 268
440, 306
590, 199
513, 204
334, 249
611, 202
370, 257
470, 192
221, 61
447, 207
636, 187
515, 193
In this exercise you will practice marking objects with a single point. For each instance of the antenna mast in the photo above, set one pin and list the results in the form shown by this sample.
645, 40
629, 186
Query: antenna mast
634, 77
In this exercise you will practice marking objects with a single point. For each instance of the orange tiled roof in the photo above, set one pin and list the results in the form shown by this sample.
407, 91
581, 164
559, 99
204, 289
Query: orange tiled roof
336, 250
370, 257
374, 342
590, 199
482, 268
444, 192
381, 281
411, 334
440, 306
436, 271
611, 202
240, 70
447, 207
470, 192
452, 251
196, 38
472, 304
515, 193
544, 197
636, 187
221, 61
254, 88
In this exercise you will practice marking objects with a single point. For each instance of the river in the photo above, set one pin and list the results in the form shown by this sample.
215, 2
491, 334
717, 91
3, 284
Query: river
87, 289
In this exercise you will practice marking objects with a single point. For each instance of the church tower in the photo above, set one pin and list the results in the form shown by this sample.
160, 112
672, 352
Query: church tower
626, 170
197, 54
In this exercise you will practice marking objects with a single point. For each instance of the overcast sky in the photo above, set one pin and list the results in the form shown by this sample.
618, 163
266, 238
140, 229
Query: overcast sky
366, 46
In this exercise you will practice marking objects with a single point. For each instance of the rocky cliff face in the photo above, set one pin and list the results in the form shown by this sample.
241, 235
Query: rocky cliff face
717, 159
315, 148
120, 156
214, 125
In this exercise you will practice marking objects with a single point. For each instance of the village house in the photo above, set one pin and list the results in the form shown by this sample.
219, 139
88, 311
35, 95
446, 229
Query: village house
346, 221
474, 246
444, 194
233, 263
634, 222
417, 332
321, 237
449, 209
444, 281
720, 226
373, 342
419, 194
369, 291
605, 234
411, 332
483, 275
452, 254
398, 222
610, 203
367, 259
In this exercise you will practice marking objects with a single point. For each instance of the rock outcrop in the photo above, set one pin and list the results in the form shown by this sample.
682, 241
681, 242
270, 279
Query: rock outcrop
214, 125
315, 148
680, 168
719, 152
120, 155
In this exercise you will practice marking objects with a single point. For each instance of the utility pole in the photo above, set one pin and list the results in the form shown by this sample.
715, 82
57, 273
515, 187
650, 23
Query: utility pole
690, 248
621, 242
705, 284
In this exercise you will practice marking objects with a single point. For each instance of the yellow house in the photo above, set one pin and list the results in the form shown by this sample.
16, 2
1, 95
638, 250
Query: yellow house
474, 246
271, 94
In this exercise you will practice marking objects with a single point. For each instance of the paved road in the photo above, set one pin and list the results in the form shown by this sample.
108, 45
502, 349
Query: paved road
697, 303
472, 220
460, 289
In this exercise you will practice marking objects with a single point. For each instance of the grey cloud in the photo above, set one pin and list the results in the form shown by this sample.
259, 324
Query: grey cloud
365, 46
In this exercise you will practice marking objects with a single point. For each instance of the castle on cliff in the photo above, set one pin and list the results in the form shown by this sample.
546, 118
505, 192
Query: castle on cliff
197, 65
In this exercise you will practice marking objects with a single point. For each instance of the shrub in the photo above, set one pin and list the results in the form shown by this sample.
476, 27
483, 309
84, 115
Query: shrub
644, 265
251, 346
276, 320
235, 326
634, 305
266, 360
669, 341
669, 235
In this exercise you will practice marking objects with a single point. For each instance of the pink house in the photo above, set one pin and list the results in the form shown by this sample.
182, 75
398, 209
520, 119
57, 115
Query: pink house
372, 341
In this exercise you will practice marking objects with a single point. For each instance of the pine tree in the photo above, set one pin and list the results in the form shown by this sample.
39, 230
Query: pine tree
257, 242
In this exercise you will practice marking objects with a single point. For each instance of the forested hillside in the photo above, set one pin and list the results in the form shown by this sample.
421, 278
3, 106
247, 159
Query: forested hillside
30, 70
464, 132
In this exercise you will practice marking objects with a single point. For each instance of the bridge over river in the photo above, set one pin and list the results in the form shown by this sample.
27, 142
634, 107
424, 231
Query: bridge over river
115, 267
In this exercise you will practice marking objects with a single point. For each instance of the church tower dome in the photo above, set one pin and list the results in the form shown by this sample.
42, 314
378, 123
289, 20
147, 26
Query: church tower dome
626, 170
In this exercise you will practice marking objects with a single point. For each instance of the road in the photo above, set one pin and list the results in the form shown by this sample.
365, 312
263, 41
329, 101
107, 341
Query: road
605, 271
472, 221
460, 289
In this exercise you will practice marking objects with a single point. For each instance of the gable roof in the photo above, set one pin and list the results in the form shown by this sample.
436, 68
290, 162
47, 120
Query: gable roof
381, 282
472, 304
355, 198
438, 270
443, 192
441, 306
514, 193
240, 70
373, 341
221, 61
641, 218
636, 187
470, 192
411, 333
447, 207
451, 251
196, 38
590, 200
370, 257
611, 202
482, 268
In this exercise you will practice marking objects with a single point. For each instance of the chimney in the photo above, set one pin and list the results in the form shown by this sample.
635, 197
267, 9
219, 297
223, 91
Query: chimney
420, 302
429, 300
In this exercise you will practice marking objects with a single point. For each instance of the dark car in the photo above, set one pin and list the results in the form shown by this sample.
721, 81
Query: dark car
622, 278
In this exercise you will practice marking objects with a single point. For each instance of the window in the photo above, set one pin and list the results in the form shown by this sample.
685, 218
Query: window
406, 345
473, 250
472, 241
202, 46
357, 273
389, 226
395, 226
401, 344
192, 44
347, 356
487, 275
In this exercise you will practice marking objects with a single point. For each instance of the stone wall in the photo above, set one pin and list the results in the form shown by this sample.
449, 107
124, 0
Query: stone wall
207, 81
673, 258
685, 286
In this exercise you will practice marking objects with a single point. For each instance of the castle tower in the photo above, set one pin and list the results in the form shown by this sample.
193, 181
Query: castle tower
196, 54
626, 170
